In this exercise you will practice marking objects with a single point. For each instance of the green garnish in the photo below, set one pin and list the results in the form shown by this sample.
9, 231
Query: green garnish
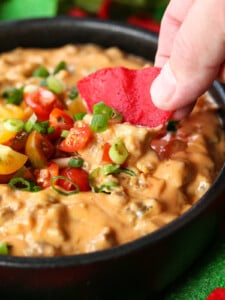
110, 169
41, 71
13, 125
99, 123
61, 66
55, 84
64, 133
19, 183
73, 93
62, 191
4, 248
76, 162
171, 126
13, 95
79, 116
118, 152
102, 114
107, 187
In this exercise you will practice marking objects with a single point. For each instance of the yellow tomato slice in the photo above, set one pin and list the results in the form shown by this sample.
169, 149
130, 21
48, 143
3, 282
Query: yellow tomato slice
11, 111
5, 135
10, 160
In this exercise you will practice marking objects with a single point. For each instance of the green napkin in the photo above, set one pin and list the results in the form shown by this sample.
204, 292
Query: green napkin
20, 9
203, 277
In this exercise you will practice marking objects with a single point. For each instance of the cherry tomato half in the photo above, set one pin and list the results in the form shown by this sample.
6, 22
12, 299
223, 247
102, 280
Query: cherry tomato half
60, 120
77, 175
42, 101
79, 135
38, 149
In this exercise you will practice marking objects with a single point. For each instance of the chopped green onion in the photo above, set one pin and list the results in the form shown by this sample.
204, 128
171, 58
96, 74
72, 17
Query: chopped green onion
110, 169
55, 84
76, 162
99, 123
79, 116
101, 108
41, 71
13, 125
128, 172
4, 248
62, 191
50, 130
118, 152
19, 183
64, 133
30, 123
61, 66
171, 126
41, 127
115, 169
13, 95
107, 187
73, 93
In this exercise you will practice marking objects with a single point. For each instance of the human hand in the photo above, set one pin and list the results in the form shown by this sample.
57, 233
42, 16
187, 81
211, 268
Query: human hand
191, 53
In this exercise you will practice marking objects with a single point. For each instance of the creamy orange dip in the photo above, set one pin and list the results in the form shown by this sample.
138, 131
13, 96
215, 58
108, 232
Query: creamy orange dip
172, 169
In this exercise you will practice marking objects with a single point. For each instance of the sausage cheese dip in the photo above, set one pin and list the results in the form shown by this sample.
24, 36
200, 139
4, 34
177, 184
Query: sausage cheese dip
70, 184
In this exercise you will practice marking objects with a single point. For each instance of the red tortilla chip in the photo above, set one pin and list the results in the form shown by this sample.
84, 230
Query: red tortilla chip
127, 91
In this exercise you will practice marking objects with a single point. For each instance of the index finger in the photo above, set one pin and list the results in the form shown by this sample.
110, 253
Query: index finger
174, 16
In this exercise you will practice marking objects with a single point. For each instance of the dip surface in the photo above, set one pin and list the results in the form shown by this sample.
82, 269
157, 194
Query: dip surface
168, 170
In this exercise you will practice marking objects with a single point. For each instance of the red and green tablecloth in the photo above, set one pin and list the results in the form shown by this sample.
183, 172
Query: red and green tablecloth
206, 278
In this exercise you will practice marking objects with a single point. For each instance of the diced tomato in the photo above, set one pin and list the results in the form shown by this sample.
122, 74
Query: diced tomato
43, 176
42, 101
105, 154
77, 175
60, 120
79, 135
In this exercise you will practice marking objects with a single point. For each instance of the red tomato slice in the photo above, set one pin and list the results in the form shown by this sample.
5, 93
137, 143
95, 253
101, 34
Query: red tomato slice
42, 101
43, 176
79, 135
105, 154
77, 175
60, 120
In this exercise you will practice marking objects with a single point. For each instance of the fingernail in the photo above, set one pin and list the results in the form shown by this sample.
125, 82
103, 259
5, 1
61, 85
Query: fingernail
163, 88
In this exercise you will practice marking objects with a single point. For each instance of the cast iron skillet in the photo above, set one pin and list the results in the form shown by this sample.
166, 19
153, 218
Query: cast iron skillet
140, 268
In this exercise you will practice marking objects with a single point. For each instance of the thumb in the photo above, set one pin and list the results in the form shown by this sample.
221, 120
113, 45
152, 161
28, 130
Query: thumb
196, 58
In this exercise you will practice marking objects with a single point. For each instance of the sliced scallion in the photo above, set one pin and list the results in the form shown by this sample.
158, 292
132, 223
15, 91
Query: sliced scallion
13, 125
101, 108
110, 169
64, 133
60, 66
73, 93
107, 187
118, 152
19, 183
99, 123
76, 162
55, 84
13, 95
79, 116
41, 71
62, 191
